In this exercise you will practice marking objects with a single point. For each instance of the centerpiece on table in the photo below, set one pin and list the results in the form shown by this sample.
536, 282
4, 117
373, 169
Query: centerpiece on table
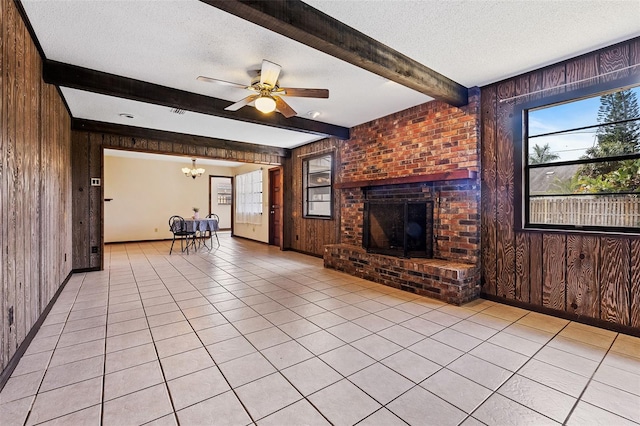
196, 212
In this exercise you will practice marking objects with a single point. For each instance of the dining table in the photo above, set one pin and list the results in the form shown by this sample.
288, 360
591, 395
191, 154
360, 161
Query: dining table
200, 226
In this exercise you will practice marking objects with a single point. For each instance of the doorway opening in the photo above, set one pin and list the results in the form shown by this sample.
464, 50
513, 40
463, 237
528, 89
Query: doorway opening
221, 200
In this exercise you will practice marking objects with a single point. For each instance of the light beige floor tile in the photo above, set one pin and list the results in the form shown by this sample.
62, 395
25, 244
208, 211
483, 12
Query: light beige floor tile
75, 337
129, 340
170, 330
224, 408
617, 360
127, 409
435, 351
286, 354
125, 315
199, 311
372, 306
515, 343
457, 390
499, 410
346, 360
456, 339
267, 395
627, 345
505, 312
196, 387
382, 417
320, 342
473, 329
77, 352
376, 346
587, 414
422, 326
19, 387
411, 365
373, 322
441, 318
195, 302
499, 356
72, 372
538, 397
230, 349
420, 407
299, 413
207, 321
401, 335
414, 308
161, 309
614, 400
65, 400
268, 337
299, 328
282, 316
15, 412
348, 331
86, 417
567, 361
557, 378
480, 371
83, 324
326, 319
311, 375
543, 322
248, 368
130, 357
381, 383
394, 315
343, 403
166, 318
129, 326
216, 334
31, 363
132, 379
178, 344
251, 325
186, 363
489, 321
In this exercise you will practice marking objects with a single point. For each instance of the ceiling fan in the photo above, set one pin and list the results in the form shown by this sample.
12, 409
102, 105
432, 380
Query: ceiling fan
267, 96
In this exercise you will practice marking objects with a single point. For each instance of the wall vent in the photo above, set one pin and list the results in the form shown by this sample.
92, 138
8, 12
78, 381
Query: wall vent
178, 111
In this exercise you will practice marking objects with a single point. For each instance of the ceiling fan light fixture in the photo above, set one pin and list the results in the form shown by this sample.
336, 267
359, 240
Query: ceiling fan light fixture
265, 104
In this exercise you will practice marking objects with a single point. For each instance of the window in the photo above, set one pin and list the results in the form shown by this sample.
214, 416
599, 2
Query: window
318, 186
582, 163
249, 197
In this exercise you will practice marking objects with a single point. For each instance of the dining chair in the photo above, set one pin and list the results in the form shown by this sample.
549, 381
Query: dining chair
215, 229
178, 228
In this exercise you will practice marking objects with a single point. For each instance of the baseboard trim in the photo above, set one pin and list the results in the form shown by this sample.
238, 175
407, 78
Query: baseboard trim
15, 359
618, 328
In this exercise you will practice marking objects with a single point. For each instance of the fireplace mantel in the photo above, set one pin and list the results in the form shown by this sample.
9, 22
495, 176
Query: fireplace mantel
442, 176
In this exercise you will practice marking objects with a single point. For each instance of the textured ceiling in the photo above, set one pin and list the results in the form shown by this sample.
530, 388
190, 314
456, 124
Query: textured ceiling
170, 43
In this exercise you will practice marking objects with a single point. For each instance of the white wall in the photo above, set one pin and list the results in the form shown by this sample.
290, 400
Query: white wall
258, 232
147, 192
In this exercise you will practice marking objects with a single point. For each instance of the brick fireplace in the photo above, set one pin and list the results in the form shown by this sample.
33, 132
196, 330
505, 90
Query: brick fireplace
426, 154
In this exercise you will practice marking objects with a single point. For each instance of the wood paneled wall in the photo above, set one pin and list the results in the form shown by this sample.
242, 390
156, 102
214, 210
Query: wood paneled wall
301, 234
35, 186
592, 276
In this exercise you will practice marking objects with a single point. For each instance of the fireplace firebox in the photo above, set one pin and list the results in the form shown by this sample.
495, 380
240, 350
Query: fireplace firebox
398, 228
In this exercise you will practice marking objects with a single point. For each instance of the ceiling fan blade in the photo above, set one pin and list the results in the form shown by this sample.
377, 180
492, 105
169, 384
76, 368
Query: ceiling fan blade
222, 82
304, 93
284, 107
269, 73
243, 102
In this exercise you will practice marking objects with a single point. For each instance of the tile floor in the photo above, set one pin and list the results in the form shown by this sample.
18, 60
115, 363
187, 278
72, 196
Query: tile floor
247, 334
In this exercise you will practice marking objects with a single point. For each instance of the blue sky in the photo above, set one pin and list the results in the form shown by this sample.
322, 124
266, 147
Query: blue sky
570, 146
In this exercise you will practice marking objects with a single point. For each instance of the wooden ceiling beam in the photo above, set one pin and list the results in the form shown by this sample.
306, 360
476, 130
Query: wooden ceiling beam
299, 21
80, 78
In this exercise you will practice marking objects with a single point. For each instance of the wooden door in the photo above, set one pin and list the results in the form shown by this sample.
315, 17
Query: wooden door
275, 207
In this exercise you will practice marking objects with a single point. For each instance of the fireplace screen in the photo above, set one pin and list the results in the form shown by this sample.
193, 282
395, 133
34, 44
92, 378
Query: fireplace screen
403, 229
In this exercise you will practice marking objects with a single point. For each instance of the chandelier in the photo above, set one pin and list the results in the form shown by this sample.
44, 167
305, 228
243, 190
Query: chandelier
193, 172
